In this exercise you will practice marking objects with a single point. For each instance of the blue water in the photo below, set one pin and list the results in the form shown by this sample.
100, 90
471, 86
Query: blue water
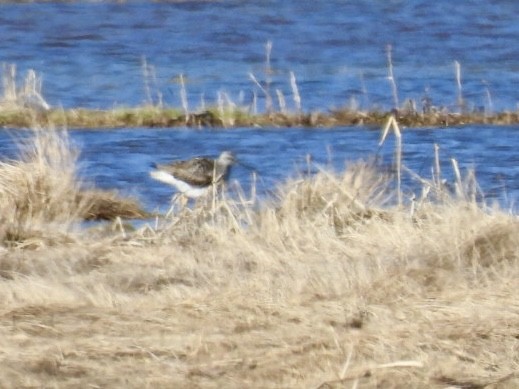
121, 159
91, 55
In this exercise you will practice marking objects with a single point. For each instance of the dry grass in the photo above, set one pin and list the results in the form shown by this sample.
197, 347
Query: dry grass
330, 286
41, 194
26, 96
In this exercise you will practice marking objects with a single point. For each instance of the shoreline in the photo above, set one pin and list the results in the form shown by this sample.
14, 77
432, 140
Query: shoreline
152, 116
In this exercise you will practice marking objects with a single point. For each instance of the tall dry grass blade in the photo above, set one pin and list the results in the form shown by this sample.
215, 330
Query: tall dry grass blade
153, 75
393, 124
459, 99
426, 184
230, 110
146, 80
489, 106
183, 97
346, 365
364, 91
398, 161
220, 105
295, 93
281, 102
458, 184
268, 77
437, 169
253, 186
391, 77
9, 82
254, 103
31, 95
385, 130
268, 98
255, 81
472, 188
202, 106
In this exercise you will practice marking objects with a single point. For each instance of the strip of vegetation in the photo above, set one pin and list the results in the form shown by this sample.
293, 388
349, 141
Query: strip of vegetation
169, 117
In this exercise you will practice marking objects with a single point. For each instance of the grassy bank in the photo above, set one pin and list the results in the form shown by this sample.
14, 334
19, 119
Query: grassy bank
151, 116
330, 285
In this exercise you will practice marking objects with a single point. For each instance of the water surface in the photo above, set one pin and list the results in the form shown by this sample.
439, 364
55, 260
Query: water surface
121, 159
90, 54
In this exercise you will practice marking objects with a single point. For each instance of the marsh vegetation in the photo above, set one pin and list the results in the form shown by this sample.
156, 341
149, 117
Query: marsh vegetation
23, 106
330, 284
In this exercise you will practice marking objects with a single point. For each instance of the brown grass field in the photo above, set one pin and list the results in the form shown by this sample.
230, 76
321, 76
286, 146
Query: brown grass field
330, 286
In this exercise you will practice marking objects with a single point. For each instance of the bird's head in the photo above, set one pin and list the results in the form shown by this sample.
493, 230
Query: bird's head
227, 158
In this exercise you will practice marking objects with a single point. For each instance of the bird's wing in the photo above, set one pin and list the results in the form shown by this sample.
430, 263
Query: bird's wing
197, 171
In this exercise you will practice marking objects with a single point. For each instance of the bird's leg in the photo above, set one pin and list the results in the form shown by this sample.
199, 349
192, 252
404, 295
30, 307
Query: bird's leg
171, 209
198, 203
175, 197
183, 201
179, 200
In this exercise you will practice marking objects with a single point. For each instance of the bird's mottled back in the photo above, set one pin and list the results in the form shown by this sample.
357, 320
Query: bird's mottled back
200, 171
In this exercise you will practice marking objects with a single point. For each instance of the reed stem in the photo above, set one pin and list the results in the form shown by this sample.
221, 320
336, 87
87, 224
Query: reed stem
391, 77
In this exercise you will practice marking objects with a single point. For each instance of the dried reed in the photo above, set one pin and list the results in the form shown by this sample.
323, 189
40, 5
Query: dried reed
29, 95
391, 77
459, 100
392, 123
295, 93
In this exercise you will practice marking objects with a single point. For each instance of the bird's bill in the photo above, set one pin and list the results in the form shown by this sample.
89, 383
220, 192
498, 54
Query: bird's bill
246, 166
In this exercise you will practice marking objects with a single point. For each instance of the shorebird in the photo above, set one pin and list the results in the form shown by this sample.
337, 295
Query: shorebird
195, 177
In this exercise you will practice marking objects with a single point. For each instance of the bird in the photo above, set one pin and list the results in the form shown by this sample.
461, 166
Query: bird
195, 177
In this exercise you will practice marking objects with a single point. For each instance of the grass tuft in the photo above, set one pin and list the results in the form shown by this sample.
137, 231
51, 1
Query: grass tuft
41, 189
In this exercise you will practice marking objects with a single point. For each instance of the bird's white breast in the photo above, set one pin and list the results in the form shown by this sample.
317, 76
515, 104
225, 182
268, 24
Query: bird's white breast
183, 187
